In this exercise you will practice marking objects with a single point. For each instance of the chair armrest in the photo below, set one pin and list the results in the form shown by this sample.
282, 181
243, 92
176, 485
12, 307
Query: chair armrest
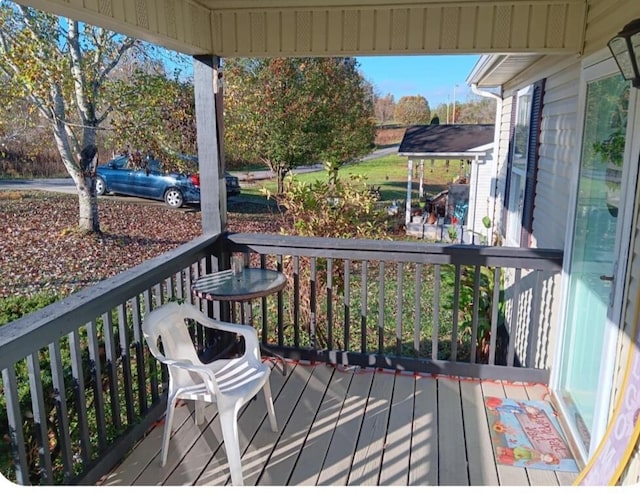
247, 331
208, 376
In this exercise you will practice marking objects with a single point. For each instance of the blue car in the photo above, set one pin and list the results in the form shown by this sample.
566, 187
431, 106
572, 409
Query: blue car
146, 179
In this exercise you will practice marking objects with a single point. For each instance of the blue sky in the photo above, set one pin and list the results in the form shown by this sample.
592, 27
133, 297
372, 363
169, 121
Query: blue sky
433, 77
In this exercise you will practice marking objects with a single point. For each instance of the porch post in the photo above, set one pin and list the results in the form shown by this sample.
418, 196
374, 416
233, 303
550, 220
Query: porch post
407, 214
208, 97
421, 193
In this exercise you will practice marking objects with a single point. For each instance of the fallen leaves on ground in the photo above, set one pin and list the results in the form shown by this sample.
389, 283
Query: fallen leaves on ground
42, 249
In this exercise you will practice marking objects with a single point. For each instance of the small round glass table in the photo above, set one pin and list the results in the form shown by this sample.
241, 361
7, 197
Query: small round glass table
244, 286
241, 287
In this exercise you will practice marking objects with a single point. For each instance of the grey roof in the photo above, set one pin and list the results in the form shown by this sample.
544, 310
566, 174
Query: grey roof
445, 139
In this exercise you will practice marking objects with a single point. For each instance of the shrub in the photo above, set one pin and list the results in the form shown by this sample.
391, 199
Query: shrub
14, 307
335, 208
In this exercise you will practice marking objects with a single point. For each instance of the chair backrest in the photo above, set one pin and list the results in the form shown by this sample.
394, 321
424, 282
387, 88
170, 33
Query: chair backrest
168, 324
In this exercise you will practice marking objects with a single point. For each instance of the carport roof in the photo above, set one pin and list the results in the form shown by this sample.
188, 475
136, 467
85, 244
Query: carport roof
433, 140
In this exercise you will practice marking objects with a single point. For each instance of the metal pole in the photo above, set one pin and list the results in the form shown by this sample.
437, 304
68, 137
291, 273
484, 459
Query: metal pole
453, 116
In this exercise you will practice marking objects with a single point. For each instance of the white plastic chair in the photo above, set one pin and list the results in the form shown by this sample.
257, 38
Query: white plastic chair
230, 383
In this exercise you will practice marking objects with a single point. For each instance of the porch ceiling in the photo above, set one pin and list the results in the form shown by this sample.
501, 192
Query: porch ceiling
337, 28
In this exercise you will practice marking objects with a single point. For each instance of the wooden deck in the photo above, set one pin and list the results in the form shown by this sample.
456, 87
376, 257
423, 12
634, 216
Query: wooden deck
344, 427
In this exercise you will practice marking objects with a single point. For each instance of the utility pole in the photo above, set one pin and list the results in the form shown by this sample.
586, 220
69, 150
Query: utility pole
448, 109
453, 117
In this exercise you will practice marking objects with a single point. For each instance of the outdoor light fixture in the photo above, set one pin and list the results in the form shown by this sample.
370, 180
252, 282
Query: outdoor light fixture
626, 50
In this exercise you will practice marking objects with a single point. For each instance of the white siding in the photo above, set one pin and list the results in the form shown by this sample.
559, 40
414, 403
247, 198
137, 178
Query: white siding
558, 141
481, 181
501, 159
605, 18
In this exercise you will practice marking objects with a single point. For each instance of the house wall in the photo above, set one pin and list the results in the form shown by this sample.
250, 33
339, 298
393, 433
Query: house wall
481, 183
500, 179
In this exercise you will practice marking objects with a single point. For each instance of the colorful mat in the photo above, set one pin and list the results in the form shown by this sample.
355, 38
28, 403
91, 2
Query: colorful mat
527, 434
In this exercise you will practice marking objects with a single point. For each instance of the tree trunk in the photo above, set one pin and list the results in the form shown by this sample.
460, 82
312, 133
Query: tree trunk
88, 206
87, 198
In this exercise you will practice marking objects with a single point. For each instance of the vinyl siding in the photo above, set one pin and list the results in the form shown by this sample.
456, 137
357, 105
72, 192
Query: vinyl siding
502, 160
557, 162
481, 187
605, 18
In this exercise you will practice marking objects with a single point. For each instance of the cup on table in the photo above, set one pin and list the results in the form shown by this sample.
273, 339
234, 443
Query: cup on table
237, 265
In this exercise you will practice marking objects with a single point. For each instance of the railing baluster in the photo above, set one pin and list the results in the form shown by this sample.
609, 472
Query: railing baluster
14, 419
62, 414
77, 372
312, 303
476, 307
513, 329
139, 350
536, 302
95, 368
179, 282
456, 310
187, 295
381, 308
494, 315
417, 311
39, 419
265, 326
347, 304
399, 305
296, 301
279, 296
363, 308
169, 287
125, 358
435, 335
153, 367
329, 304
111, 368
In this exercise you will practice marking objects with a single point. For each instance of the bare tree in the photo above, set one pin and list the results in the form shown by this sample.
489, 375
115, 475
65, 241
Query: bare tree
384, 108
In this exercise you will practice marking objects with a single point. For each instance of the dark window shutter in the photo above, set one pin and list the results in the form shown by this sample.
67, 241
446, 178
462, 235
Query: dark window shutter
507, 186
533, 155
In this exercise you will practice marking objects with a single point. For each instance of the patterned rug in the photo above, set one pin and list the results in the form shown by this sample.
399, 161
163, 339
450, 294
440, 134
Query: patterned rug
527, 434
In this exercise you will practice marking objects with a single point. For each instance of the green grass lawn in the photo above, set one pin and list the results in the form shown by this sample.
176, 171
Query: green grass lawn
389, 173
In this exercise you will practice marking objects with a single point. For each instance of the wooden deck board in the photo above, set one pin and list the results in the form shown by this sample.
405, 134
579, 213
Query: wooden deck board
423, 463
452, 470
337, 463
310, 461
397, 449
482, 465
367, 460
293, 436
146, 454
258, 452
339, 427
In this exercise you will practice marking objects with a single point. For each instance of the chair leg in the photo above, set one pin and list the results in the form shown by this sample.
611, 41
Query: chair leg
168, 420
229, 424
270, 410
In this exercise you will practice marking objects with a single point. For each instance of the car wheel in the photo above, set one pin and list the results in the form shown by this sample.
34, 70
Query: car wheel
100, 186
173, 198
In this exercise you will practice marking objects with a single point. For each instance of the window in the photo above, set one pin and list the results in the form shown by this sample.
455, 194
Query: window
523, 156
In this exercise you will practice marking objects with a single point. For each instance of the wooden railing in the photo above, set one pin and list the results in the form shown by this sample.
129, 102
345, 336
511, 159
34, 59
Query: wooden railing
411, 305
80, 387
